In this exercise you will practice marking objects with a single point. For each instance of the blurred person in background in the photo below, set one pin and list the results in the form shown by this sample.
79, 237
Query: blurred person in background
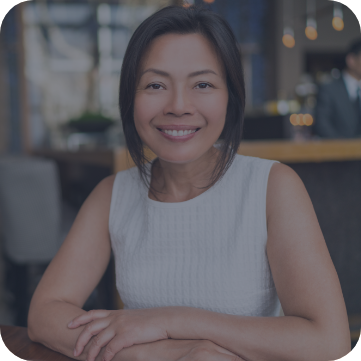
338, 111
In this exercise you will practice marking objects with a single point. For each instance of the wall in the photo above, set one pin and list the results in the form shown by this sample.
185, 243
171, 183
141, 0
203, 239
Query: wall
3, 102
290, 62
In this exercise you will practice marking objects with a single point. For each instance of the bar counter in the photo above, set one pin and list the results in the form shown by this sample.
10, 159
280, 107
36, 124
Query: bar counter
284, 151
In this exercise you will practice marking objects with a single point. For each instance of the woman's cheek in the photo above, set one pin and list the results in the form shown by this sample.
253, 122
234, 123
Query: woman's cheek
214, 108
146, 107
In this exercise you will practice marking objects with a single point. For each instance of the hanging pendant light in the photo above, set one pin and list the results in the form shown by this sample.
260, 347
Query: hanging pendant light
288, 38
311, 26
337, 21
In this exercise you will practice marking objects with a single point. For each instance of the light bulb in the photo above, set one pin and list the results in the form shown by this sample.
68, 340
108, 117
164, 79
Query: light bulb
311, 33
338, 23
288, 41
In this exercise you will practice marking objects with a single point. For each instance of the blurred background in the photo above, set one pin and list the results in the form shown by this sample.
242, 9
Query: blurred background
61, 133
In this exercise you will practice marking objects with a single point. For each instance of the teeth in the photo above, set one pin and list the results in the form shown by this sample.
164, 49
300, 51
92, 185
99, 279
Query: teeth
178, 133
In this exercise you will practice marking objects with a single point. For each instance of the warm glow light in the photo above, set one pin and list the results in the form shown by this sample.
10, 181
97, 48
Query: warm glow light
338, 23
186, 5
308, 119
288, 41
301, 119
311, 33
209, 1
293, 119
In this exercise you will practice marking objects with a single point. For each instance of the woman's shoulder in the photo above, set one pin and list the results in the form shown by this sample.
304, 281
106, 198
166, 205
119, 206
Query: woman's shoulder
106, 184
283, 184
246, 164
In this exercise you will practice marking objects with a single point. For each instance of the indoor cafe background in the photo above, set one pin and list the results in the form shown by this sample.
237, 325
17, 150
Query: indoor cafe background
61, 59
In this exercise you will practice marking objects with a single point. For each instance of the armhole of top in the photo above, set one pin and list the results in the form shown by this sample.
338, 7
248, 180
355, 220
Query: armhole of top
113, 200
266, 175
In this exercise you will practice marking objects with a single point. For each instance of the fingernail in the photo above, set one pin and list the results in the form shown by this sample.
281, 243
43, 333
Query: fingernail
74, 352
70, 324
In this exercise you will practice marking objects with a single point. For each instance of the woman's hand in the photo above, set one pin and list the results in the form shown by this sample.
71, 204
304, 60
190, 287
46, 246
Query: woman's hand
176, 350
204, 350
118, 329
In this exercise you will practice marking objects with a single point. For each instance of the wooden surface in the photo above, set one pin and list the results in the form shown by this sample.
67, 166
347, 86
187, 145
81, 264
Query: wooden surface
100, 157
284, 151
17, 341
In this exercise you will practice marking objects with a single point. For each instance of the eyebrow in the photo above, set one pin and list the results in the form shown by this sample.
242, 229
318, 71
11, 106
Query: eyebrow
165, 74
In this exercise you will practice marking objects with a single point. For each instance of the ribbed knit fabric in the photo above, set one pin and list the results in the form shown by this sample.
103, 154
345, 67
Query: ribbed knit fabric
208, 252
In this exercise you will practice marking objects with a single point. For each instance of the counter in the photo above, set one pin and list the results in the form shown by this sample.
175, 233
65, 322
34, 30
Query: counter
283, 151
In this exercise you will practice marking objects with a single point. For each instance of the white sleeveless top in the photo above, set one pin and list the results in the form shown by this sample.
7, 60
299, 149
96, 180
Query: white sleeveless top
208, 252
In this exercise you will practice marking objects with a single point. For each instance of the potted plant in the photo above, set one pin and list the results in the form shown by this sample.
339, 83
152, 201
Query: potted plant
90, 122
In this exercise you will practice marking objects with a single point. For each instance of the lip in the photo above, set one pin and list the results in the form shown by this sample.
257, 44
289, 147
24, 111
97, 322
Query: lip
179, 139
177, 127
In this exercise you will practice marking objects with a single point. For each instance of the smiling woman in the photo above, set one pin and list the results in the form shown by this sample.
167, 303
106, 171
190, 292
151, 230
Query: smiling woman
208, 244
174, 57
189, 95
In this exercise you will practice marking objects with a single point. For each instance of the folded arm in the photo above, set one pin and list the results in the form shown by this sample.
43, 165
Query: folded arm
315, 325
72, 275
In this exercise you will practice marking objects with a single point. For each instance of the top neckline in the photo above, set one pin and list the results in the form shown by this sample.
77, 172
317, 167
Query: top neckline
190, 202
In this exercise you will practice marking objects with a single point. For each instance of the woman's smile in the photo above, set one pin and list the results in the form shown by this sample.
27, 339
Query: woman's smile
180, 135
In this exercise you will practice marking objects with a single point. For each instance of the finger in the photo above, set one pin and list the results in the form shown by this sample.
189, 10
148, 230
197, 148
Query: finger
98, 342
232, 357
89, 331
88, 317
213, 355
221, 356
114, 346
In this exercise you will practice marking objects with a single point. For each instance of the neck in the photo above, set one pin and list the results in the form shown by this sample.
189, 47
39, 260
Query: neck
179, 182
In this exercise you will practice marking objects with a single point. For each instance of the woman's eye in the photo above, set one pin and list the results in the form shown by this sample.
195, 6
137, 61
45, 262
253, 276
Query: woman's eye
203, 85
154, 86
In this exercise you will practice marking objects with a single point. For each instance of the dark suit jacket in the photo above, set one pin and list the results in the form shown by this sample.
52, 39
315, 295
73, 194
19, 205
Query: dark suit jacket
336, 116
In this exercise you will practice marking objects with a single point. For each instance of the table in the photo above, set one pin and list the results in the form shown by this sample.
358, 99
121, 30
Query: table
17, 341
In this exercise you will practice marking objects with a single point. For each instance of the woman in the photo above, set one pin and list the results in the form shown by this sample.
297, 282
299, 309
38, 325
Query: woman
207, 243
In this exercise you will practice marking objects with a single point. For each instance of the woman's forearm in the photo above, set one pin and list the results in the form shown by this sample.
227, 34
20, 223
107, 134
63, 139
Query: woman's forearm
260, 338
48, 325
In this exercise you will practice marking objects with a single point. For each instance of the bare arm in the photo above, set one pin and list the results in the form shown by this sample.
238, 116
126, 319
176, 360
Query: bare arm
315, 325
72, 275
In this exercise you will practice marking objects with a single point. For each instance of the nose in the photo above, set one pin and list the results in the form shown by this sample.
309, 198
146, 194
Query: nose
179, 104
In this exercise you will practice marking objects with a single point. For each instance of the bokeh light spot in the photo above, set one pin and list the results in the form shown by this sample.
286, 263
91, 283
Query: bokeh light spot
338, 23
311, 33
288, 41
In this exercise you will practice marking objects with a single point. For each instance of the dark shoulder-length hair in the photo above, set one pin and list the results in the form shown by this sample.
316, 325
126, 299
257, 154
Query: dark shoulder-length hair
181, 20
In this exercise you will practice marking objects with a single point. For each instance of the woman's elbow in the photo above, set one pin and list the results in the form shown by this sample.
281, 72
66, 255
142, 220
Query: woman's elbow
34, 320
338, 344
32, 326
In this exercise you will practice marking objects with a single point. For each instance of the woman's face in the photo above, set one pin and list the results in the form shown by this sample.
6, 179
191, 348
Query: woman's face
182, 88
